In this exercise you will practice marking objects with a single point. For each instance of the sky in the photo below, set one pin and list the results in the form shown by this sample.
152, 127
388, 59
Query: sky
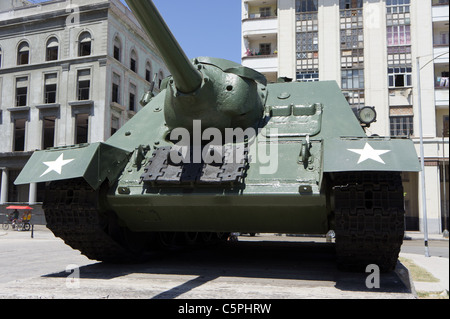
203, 27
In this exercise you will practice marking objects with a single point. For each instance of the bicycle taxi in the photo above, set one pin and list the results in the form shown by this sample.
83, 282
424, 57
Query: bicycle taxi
16, 220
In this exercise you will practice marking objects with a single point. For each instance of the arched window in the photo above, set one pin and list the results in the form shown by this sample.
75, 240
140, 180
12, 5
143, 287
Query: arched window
133, 61
148, 72
23, 53
117, 50
161, 77
51, 53
84, 44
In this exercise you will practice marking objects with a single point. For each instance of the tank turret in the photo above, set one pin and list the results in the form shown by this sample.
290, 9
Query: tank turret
222, 94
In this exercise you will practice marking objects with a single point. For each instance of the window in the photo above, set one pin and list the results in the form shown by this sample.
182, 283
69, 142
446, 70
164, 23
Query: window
84, 90
115, 93
117, 53
114, 125
133, 61
352, 79
132, 100
445, 126
16, 194
400, 77
148, 72
161, 78
350, 4
399, 55
22, 91
352, 52
48, 132
439, 2
81, 128
397, 6
443, 38
265, 12
84, 44
0, 57
356, 99
116, 89
353, 58
308, 76
308, 61
23, 54
398, 35
352, 38
265, 48
52, 50
84, 85
307, 41
306, 5
117, 49
50, 88
402, 125
307, 22
19, 135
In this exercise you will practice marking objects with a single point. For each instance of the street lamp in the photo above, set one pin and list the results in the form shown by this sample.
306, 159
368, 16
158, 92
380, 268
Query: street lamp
422, 164
444, 174
422, 157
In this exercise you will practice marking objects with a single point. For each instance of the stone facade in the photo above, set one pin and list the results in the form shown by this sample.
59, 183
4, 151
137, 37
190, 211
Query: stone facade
70, 72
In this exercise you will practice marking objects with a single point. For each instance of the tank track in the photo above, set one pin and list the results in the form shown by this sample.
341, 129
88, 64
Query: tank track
369, 219
72, 213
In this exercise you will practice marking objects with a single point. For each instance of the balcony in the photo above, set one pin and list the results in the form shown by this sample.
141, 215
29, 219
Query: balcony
440, 54
259, 9
261, 63
256, 27
440, 12
441, 92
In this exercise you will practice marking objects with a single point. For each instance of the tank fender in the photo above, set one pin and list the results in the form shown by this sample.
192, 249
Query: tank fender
370, 154
94, 162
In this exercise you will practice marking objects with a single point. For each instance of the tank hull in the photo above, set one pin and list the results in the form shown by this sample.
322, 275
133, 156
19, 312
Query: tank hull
225, 213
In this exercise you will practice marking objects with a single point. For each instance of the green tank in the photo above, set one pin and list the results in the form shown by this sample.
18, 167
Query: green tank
219, 150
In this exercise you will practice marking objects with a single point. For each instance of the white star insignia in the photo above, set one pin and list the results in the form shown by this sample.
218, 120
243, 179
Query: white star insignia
56, 166
369, 153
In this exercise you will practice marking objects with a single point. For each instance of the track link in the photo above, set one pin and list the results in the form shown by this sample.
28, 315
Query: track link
72, 213
369, 219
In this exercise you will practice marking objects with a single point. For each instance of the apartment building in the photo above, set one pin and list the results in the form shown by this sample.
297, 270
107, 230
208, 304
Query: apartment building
375, 50
71, 72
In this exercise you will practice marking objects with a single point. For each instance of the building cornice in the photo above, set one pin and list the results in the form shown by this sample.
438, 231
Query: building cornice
52, 14
54, 64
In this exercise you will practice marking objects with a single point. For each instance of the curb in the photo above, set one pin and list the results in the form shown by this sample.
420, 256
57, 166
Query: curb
404, 275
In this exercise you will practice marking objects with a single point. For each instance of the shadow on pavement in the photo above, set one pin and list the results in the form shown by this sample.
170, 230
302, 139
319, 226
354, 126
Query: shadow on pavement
314, 264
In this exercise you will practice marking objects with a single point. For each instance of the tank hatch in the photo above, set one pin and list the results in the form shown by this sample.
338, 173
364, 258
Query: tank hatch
294, 120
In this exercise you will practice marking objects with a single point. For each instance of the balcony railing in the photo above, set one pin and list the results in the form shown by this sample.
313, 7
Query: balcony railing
265, 15
252, 54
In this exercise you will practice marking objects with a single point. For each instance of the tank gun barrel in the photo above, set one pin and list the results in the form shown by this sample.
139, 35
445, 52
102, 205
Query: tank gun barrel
187, 78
